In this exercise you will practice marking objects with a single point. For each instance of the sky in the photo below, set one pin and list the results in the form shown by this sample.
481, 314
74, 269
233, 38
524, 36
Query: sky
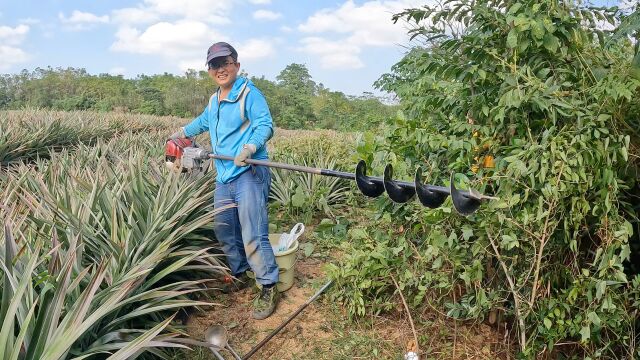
346, 45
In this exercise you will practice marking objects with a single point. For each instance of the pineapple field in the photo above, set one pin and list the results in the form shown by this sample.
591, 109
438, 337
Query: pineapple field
101, 245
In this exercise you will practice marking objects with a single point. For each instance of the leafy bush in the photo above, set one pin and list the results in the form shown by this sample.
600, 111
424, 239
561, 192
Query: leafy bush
529, 100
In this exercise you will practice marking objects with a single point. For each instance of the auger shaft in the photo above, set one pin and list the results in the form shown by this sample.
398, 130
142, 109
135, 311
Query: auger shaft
465, 202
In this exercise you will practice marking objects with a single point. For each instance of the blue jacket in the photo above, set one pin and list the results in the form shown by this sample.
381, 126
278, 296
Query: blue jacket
230, 130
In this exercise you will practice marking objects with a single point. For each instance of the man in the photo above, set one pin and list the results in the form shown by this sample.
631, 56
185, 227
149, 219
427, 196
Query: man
239, 122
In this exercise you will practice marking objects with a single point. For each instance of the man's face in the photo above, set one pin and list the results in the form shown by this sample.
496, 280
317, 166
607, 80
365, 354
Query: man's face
224, 71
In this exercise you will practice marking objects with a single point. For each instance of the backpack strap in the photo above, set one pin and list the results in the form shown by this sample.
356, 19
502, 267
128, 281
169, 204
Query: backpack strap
242, 100
211, 98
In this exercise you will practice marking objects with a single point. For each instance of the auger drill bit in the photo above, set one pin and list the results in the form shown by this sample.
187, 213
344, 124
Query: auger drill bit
432, 196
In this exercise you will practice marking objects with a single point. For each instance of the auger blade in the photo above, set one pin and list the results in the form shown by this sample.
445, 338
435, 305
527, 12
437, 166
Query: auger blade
367, 185
465, 203
397, 192
428, 197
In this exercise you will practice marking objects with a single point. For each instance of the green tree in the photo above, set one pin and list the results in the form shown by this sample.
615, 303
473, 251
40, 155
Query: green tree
332, 109
294, 101
153, 101
296, 77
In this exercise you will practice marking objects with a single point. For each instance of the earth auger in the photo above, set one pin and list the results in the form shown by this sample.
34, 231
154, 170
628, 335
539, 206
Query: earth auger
465, 202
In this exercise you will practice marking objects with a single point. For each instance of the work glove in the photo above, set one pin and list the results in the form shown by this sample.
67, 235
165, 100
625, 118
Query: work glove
247, 151
178, 134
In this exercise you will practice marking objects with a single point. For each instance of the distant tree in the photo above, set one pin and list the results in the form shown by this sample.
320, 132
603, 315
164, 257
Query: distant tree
294, 100
296, 77
331, 108
152, 101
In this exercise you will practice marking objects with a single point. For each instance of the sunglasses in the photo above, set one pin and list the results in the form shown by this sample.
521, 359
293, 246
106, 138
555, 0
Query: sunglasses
215, 65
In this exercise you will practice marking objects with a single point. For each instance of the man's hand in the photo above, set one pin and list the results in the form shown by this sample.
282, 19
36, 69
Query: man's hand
247, 151
178, 134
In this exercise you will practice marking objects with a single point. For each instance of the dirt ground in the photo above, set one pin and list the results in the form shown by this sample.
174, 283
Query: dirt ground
322, 332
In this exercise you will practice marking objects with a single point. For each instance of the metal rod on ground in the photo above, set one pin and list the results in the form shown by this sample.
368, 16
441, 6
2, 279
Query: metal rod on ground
233, 352
277, 330
217, 354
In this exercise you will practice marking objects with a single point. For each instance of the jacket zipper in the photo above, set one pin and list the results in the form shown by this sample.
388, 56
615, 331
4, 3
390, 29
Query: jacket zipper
218, 122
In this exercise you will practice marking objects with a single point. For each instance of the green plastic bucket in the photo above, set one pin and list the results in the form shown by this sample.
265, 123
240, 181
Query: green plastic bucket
286, 261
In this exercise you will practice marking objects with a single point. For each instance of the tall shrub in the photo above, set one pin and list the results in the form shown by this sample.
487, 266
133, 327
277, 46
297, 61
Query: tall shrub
528, 99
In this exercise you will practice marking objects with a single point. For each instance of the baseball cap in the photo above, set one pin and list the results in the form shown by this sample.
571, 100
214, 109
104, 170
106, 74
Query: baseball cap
221, 49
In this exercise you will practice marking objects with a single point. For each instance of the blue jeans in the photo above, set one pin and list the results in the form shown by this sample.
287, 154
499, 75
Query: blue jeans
243, 230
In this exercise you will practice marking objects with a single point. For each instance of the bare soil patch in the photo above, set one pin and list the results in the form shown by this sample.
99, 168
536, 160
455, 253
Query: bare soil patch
322, 331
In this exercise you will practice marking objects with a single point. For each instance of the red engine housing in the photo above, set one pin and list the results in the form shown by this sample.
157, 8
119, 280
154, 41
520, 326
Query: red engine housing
174, 148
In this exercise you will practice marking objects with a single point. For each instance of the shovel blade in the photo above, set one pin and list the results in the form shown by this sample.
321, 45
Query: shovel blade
217, 335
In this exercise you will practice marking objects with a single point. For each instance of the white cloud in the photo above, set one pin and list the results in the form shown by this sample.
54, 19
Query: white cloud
370, 22
285, 28
30, 21
255, 49
333, 54
196, 64
352, 28
212, 11
80, 20
150, 11
260, 2
13, 36
181, 32
10, 56
175, 31
134, 16
266, 15
10, 52
84, 17
172, 40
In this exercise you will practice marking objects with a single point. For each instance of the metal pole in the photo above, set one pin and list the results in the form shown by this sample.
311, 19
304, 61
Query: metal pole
306, 169
277, 330
325, 172
350, 176
217, 354
233, 352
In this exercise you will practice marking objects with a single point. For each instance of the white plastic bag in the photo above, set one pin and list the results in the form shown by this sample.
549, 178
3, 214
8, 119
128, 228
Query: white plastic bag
286, 240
